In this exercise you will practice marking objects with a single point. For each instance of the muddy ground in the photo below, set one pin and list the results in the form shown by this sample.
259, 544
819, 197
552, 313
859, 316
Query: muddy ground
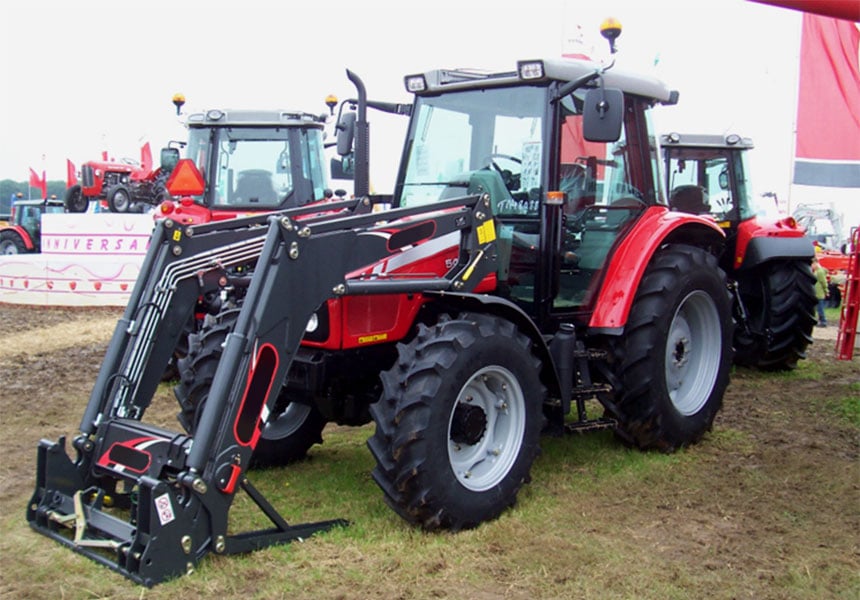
783, 477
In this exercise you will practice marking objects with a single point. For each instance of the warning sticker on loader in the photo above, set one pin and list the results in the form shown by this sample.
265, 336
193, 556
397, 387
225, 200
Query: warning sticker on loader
164, 508
486, 232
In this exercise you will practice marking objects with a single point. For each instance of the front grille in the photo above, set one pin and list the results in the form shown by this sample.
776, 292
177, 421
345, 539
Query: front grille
88, 178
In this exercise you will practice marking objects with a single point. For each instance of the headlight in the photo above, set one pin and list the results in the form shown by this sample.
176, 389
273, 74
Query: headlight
313, 323
415, 83
532, 69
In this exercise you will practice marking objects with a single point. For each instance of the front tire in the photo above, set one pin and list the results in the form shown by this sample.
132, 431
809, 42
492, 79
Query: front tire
74, 200
292, 429
118, 199
458, 424
673, 360
779, 302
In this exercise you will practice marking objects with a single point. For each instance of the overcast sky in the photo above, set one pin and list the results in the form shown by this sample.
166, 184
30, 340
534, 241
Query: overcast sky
91, 75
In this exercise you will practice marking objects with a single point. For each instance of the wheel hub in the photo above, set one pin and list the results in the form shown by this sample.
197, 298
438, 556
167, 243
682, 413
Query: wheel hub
681, 354
468, 425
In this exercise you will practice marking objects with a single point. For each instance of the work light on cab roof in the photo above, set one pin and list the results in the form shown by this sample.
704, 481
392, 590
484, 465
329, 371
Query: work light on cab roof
178, 101
611, 29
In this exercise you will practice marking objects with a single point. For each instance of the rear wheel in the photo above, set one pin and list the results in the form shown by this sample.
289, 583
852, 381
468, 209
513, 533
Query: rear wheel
118, 198
458, 423
74, 200
779, 302
674, 358
292, 427
11, 243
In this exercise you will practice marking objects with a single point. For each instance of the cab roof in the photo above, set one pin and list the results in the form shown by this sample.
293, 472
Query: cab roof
702, 140
255, 118
554, 69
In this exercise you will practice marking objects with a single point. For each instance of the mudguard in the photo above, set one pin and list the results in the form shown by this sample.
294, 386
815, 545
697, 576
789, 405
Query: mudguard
621, 280
759, 241
23, 234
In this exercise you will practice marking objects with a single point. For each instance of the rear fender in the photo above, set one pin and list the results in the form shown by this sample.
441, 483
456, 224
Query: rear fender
762, 240
657, 226
23, 234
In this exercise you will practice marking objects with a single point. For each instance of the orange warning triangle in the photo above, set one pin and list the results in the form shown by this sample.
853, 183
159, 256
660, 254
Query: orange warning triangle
185, 180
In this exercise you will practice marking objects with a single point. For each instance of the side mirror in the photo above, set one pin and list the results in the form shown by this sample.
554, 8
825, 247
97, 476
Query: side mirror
342, 168
603, 113
169, 158
346, 133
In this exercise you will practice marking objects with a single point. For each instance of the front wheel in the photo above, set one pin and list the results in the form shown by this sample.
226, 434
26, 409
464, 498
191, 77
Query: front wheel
458, 423
74, 200
118, 199
11, 243
673, 360
291, 429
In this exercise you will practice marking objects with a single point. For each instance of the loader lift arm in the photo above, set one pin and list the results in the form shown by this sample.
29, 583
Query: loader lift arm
149, 503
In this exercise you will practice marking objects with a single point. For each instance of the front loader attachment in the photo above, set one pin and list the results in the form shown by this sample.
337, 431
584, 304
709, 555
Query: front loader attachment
150, 503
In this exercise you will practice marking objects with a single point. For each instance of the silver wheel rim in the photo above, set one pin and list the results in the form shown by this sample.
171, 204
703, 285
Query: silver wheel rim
120, 201
693, 352
485, 463
286, 423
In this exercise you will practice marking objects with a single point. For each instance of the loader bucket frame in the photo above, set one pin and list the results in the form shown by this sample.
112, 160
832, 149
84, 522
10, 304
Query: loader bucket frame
150, 503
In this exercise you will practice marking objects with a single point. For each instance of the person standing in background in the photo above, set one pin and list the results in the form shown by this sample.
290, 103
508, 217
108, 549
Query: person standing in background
820, 290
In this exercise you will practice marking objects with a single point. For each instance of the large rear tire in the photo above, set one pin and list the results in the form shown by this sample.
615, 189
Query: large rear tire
674, 358
292, 429
779, 302
458, 424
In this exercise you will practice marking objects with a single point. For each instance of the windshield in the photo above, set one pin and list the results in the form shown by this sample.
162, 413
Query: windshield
255, 167
482, 140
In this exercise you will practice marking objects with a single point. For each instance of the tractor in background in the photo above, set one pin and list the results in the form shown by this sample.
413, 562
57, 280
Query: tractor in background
823, 224
124, 186
23, 233
251, 161
767, 260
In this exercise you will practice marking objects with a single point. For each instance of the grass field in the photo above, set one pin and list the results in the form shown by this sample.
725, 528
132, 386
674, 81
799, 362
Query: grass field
767, 506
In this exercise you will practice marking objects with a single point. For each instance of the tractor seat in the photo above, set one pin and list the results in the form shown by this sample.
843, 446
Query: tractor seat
691, 199
255, 187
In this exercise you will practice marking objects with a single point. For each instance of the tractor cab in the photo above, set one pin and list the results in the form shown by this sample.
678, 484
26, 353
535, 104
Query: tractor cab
24, 232
710, 175
565, 150
251, 161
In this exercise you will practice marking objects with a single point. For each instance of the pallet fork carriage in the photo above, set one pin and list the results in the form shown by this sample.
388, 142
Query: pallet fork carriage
177, 490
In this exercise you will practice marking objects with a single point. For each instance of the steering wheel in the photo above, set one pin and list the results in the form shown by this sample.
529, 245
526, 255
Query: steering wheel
511, 181
492, 163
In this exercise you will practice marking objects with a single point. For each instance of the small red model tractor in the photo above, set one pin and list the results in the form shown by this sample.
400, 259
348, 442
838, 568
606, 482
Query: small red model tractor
125, 186
24, 232
767, 260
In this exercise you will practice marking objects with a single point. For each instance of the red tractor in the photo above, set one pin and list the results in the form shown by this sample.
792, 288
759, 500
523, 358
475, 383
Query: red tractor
126, 185
767, 260
529, 264
23, 234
